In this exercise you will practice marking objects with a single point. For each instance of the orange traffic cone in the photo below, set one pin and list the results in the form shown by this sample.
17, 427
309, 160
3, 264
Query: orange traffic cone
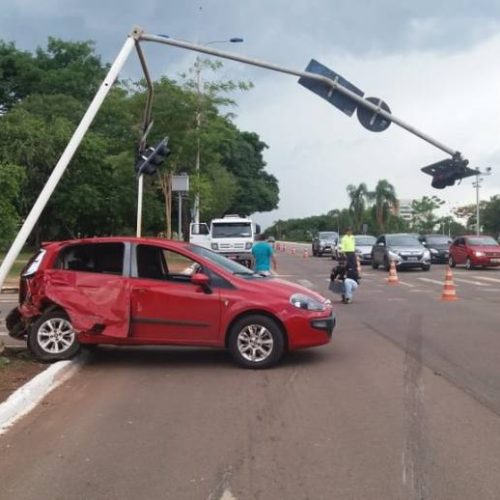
305, 254
293, 250
283, 248
449, 293
393, 275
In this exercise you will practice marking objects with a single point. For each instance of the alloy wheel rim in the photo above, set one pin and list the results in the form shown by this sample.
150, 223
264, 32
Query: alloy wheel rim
56, 335
255, 343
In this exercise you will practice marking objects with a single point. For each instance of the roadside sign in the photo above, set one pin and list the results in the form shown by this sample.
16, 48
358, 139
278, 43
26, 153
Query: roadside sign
339, 100
371, 120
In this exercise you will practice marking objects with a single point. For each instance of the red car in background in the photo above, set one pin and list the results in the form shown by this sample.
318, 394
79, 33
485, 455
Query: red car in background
140, 291
474, 251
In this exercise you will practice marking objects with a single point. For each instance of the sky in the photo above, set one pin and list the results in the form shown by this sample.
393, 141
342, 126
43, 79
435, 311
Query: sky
434, 63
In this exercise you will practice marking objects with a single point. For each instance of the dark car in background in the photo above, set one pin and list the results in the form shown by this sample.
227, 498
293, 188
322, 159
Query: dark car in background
364, 245
325, 242
474, 251
438, 245
404, 249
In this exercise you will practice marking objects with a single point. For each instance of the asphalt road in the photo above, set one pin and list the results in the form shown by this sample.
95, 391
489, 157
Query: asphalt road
403, 404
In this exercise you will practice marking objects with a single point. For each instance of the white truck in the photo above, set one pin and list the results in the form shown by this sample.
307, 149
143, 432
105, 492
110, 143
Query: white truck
231, 236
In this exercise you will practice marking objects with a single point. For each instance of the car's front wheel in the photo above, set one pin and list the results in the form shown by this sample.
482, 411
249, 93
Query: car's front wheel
451, 261
468, 264
52, 337
256, 341
426, 267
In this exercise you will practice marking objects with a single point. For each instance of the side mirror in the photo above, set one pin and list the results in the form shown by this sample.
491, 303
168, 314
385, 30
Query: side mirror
202, 280
381, 244
257, 229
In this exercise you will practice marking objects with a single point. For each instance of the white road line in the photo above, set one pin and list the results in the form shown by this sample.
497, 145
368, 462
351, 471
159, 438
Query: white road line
306, 283
407, 284
470, 282
487, 278
429, 280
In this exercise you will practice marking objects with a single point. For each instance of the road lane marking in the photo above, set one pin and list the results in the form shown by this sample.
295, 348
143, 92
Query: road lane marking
406, 284
471, 282
429, 280
487, 278
306, 283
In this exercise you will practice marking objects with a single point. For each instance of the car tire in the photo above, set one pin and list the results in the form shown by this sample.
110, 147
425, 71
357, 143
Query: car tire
256, 341
52, 337
468, 264
426, 267
451, 262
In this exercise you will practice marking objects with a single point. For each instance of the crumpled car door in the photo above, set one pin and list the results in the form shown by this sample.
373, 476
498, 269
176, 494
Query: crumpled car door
93, 301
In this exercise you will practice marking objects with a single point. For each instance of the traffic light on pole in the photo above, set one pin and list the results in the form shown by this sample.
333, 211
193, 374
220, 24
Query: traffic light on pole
149, 161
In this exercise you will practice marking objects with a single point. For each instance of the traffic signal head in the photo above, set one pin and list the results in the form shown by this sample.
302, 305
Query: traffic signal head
446, 172
149, 161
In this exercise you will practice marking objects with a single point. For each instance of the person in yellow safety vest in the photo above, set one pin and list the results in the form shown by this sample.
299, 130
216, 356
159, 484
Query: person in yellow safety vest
348, 247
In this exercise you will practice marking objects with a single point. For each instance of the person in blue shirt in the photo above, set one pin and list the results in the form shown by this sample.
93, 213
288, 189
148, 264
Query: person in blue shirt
263, 256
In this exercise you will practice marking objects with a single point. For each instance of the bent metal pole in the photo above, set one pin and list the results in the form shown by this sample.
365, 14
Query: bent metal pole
314, 76
68, 153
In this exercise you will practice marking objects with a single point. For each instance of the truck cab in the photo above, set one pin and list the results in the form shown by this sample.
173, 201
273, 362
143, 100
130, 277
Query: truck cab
231, 236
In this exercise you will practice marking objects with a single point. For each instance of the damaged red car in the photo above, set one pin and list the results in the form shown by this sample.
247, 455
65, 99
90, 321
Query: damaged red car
140, 291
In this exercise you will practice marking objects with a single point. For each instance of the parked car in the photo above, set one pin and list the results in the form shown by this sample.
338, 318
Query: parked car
474, 251
325, 242
438, 245
404, 249
364, 245
136, 291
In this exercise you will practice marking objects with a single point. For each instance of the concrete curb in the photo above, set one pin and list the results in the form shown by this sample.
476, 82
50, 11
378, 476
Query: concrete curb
30, 394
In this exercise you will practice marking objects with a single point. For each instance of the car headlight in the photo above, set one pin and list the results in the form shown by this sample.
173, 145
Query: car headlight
248, 245
434, 251
479, 254
215, 246
427, 254
301, 301
393, 255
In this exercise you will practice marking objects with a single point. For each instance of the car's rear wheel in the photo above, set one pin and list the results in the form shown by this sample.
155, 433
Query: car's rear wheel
468, 264
256, 341
52, 337
451, 261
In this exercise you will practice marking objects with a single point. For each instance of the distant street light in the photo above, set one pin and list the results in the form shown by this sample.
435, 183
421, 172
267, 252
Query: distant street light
477, 185
198, 121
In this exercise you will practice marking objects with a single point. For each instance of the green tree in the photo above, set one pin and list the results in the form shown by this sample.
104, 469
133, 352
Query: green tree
385, 201
358, 196
424, 220
11, 180
490, 216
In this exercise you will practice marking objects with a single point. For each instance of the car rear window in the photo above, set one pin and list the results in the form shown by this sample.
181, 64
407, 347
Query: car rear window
34, 263
105, 258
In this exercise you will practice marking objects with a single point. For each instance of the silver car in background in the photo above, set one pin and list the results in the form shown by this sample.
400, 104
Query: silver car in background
404, 249
364, 244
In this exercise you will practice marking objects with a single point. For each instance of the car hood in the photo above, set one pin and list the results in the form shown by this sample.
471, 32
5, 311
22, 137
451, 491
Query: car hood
282, 287
364, 248
485, 248
407, 249
438, 246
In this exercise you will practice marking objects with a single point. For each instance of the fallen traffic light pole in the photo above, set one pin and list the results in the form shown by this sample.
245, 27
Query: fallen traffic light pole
332, 85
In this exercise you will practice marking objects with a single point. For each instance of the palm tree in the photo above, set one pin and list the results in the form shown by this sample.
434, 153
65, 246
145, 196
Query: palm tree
358, 196
385, 199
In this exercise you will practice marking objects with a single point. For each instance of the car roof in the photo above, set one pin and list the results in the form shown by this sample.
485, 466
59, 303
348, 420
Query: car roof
115, 239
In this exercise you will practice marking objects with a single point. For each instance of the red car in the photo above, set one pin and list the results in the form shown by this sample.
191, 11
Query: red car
137, 291
474, 251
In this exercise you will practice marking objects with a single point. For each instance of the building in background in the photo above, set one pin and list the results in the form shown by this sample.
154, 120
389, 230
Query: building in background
405, 210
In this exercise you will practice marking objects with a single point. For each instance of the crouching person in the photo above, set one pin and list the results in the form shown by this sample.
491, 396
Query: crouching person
344, 279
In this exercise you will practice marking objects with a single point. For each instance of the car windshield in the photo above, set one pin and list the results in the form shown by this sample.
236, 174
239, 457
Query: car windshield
365, 240
227, 264
402, 240
438, 240
331, 235
482, 240
232, 230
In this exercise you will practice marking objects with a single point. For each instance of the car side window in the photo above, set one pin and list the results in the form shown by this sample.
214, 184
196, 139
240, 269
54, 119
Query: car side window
103, 258
161, 264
